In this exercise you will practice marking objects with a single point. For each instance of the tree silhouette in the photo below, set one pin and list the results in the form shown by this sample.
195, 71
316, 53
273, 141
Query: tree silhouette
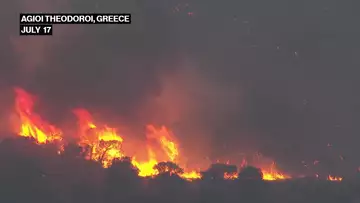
168, 167
168, 186
122, 182
250, 173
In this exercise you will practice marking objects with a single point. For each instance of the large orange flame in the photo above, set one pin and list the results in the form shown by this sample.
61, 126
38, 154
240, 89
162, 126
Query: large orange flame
103, 144
191, 175
146, 168
273, 174
163, 136
31, 123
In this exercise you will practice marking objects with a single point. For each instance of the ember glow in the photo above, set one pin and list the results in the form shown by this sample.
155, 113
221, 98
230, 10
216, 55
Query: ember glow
230, 176
334, 178
103, 144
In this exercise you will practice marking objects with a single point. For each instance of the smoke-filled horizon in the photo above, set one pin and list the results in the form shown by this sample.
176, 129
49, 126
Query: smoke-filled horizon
243, 76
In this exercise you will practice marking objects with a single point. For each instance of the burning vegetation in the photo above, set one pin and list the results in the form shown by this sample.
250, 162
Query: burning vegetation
101, 144
31, 123
104, 144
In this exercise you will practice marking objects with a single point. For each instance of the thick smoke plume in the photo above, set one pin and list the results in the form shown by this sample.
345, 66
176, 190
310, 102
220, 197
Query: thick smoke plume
247, 79
135, 74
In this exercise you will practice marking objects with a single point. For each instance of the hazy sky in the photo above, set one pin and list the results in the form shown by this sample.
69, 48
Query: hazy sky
280, 77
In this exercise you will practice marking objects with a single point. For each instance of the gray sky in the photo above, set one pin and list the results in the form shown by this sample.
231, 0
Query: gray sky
279, 77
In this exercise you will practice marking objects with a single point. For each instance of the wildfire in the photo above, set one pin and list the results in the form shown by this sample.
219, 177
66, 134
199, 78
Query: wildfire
192, 175
31, 123
163, 136
273, 174
146, 169
334, 178
103, 144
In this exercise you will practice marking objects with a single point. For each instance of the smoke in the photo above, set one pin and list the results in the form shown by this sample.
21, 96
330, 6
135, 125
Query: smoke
197, 108
134, 74
230, 83
78, 62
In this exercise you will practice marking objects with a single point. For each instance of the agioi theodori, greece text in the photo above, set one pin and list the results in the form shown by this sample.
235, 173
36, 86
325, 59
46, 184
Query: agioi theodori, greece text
72, 18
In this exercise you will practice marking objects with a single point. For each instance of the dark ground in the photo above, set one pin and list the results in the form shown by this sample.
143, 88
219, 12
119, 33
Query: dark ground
34, 173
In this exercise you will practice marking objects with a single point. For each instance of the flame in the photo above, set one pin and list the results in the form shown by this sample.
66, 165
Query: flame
273, 174
31, 123
163, 136
146, 169
334, 178
104, 142
191, 175
270, 174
